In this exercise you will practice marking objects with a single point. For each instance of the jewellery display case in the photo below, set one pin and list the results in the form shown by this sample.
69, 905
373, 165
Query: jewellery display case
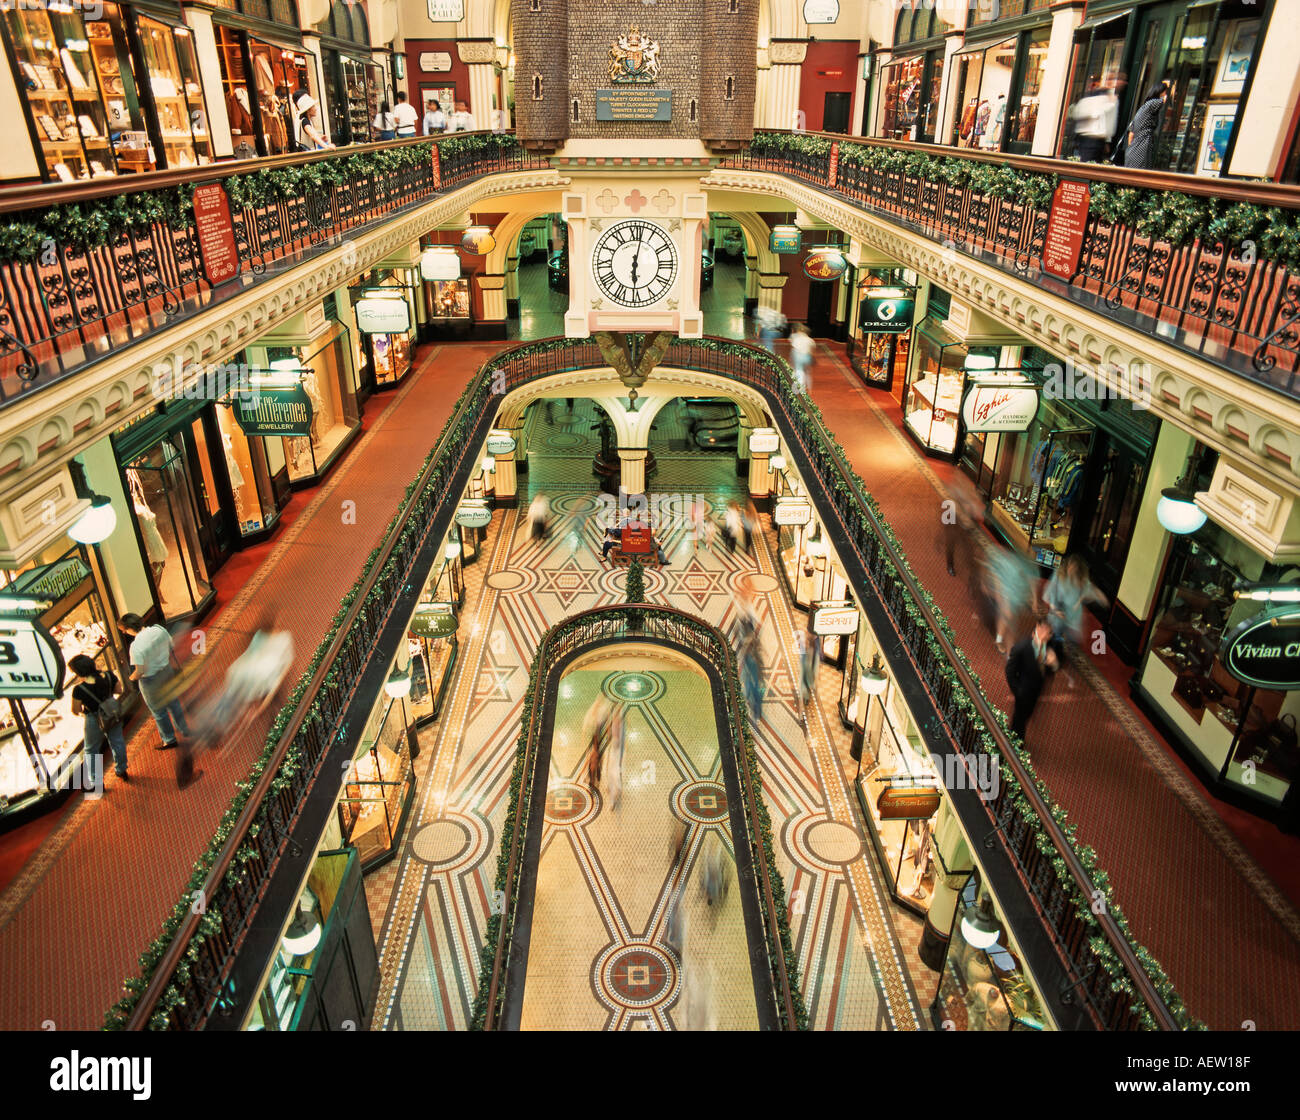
378, 788
174, 83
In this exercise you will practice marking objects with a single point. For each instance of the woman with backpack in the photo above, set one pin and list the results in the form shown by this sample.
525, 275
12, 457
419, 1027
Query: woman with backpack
95, 696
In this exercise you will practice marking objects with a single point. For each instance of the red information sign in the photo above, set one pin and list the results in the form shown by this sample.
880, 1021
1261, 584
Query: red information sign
1065, 228
437, 170
636, 537
216, 233
833, 170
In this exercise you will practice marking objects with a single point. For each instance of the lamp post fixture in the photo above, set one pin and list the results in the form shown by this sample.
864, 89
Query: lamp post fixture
398, 687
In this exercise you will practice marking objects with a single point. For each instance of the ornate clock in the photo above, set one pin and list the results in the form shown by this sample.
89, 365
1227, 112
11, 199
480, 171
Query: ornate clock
634, 263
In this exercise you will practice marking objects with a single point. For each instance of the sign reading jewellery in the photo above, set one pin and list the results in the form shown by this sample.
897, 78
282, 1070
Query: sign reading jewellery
50, 581
31, 663
434, 620
1008, 405
1265, 649
273, 410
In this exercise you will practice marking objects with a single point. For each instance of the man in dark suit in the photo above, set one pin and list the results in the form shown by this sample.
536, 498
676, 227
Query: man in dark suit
1028, 664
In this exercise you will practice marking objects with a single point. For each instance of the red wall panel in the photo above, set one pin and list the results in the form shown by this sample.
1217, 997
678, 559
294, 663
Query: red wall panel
829, 67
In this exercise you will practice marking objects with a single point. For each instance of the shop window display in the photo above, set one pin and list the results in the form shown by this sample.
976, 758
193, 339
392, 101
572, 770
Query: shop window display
1227, 722
378, 787
258, 88
894, 756
1022, 123
173, 72
250, 482
911, 90
432, 645
327, 379
162, 496
40, 739
450, 298
985, 989
932, 399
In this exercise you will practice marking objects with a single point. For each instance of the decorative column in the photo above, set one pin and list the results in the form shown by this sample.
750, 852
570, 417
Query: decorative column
632, 469
769, 289
953, 870
948, 110
478, 56
787, 57
760, 479
492, 288
742, 448
1056, 74
205, 49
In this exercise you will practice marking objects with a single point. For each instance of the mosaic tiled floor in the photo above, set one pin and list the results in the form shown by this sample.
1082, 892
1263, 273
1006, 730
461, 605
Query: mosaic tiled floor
434, 898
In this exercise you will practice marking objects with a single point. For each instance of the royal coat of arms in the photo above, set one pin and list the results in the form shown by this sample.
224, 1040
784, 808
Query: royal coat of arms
634, 57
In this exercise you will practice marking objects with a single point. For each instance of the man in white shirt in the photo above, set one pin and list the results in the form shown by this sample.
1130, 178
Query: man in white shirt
1095, 117
435, 120
153, 664
463, 120
405, 116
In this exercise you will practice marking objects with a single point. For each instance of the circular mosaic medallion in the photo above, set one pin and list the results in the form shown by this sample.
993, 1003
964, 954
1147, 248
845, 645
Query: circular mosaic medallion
633, 688
506, 580
451, 842
564, 441
821, 844
569, 804
701, 802
635, 977
756, 583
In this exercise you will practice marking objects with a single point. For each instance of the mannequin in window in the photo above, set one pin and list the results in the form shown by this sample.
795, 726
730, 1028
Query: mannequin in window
154, 546
968, 122
240, 112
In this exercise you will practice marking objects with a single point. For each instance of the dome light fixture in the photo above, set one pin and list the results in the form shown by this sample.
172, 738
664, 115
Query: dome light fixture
1177, 510
97, 523
978, 925
303, 934
874, 681
398, 684
451, 550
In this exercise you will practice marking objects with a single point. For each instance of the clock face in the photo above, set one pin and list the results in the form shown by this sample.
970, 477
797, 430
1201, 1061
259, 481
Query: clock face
635, 263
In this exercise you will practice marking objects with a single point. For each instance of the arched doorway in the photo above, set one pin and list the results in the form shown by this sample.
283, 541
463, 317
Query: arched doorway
539, 266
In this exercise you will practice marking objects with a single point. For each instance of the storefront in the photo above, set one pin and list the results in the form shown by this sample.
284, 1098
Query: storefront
184, 513
911, 82
886, 307
314, 352
380, 785
1073, 480
116, 93
941, 365
258, 474
983, 986
997, 84
432, 642
355, 83
384, 306
897, 787
1205, 49
1241, 734
324, 970
261, 71
40, 739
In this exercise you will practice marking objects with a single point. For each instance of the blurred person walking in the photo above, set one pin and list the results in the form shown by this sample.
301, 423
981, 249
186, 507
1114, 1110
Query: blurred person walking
153, 666
770, 324
1031, 660
1065, 595
539, 510
801, 354
807, 647
716, 872
1008, 587
1094, 118
959, 523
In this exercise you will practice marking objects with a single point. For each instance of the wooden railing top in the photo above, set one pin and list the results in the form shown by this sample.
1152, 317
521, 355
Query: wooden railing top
1283, 195
36, 195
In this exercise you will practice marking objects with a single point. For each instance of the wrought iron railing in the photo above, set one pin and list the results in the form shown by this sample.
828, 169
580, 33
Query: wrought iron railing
624, 623
1211, 266
88, 268
1122, 987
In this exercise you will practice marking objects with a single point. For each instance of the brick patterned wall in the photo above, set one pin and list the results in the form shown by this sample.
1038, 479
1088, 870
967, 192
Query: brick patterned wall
540, 43
731, 39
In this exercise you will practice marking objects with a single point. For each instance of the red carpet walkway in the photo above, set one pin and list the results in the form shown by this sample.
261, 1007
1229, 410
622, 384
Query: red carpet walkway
96, 892
1226, 935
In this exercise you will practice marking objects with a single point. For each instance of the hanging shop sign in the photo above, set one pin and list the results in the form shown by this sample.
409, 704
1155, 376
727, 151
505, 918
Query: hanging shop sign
1066, 224
500, 442
31, 662
273, 410
792, 511
216, 233
478, 240
434, 620
835, 618
433, 62
785, 239
764, 441
474, 513
821, 11
446, 11
907, 803
1264, 651
49, 581
825, 264
886, 311
1000, 406
386, 314
440, 264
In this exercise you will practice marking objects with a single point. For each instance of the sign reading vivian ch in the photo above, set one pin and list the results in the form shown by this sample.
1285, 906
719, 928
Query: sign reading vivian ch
1265, 649
634, 103
282, 410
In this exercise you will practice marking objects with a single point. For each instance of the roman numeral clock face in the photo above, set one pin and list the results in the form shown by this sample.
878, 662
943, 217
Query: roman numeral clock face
635, 263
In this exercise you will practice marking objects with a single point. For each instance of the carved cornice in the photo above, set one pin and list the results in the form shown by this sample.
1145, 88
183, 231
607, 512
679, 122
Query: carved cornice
787, 52
44, 430
1222, 410
473, 51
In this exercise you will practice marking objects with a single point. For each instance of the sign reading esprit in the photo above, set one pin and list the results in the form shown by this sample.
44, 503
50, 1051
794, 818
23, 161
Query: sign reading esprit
1265, 649
31, 662
764, 441
999, 407
835, 618
791, 511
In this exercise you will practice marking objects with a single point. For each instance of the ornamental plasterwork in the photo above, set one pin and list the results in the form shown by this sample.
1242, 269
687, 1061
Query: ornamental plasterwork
477, 52
1194, 395
634, 58
53, 424
787, 54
